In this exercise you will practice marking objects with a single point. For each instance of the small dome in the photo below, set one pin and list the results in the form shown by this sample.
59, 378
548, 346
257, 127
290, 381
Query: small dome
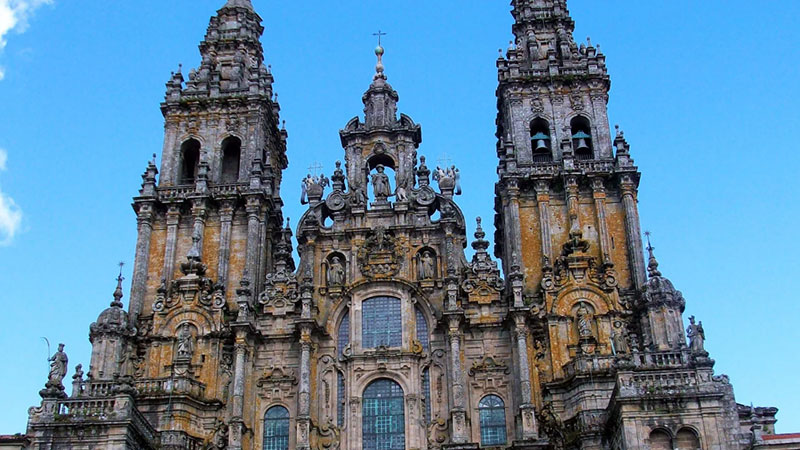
379, 50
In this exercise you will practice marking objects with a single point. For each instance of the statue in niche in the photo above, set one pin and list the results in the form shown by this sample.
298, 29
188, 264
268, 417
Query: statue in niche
619, 340
185, 348
427, 269
380, 184
584, 322
58, 368
697, 336
335, 272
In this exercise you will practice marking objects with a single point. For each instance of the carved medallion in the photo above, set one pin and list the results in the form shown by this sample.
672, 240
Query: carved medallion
379, 257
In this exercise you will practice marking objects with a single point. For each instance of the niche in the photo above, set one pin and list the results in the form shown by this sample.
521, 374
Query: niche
541, 143
380, 177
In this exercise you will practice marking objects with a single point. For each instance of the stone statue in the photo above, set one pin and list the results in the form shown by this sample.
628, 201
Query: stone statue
619, 341
401, 194
380, 184
58, 368
426, 266
584, 322
185, 343
335, 272
697, 336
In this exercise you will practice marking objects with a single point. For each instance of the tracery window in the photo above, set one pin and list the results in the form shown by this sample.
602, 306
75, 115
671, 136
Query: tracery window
381, 322
492, 412
422, 330
343, 336
276, 429
383, 416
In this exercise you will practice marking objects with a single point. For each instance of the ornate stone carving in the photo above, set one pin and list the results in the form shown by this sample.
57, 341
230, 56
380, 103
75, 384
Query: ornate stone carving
438, 433
277, 384
380, 255
325, 436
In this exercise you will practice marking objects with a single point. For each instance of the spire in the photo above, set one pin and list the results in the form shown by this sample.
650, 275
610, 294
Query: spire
117, 302
239, 4
480, 244
652, 265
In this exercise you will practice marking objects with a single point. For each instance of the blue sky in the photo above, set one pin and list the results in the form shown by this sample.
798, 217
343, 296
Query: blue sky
705, 91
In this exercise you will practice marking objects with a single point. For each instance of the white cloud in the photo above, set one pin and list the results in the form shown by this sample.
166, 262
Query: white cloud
14, 15
10, 219
10, 213
2, 73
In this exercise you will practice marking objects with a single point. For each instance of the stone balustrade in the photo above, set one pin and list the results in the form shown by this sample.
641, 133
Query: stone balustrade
173, 385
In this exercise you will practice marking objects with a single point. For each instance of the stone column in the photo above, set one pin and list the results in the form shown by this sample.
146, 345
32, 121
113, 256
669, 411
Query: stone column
253, 209
225, 219
599, 194
526, 408
304, 397
144, 222
459, 411
512, 223
632, 230
199, 217
543, 199
571, 186
173, 217
237, 404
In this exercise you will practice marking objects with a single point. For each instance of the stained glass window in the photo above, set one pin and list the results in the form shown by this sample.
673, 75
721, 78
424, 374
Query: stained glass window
381, 322
383, 416
426, 393
343, 337
422, 330
340, 398
276, 429
492, 412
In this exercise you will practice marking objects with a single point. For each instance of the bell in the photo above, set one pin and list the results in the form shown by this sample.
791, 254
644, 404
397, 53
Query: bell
541, 141
581, 138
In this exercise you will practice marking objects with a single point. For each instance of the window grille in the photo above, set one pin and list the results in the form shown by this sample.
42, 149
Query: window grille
343, 338
381, 322
276, 429
426, 393
492, 413
340, 405
383, 416
422, 330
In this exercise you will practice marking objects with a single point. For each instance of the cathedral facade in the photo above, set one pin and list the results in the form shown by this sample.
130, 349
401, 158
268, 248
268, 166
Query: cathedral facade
384, 335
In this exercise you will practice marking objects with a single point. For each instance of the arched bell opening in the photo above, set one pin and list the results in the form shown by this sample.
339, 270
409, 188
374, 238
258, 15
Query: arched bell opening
582, 142
541, 143
231, 157
190, 158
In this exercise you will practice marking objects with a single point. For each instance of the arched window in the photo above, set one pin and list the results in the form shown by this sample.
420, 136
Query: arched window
660, 440
381, 322
340, 400
422, 329
231, 154
686, 439
190, 158
276, 429
492, 412
541, 143
426, 393
343, 336
383, 416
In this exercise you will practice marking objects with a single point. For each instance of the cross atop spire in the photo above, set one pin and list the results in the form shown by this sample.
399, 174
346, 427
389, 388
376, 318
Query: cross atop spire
379, 53
118, 291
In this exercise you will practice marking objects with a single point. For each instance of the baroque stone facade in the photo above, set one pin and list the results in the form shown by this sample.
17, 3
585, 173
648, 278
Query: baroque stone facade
385, 336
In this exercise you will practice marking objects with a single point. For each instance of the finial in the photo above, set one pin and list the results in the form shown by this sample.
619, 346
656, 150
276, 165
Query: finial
118, 291
652, 265
180, 67
287, 222
510, 45
379, 53
153, 161
283, 124
194, 252
269, 68
588, 41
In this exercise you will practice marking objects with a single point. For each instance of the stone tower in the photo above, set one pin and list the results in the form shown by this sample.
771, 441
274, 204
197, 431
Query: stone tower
568, 233
385, 336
